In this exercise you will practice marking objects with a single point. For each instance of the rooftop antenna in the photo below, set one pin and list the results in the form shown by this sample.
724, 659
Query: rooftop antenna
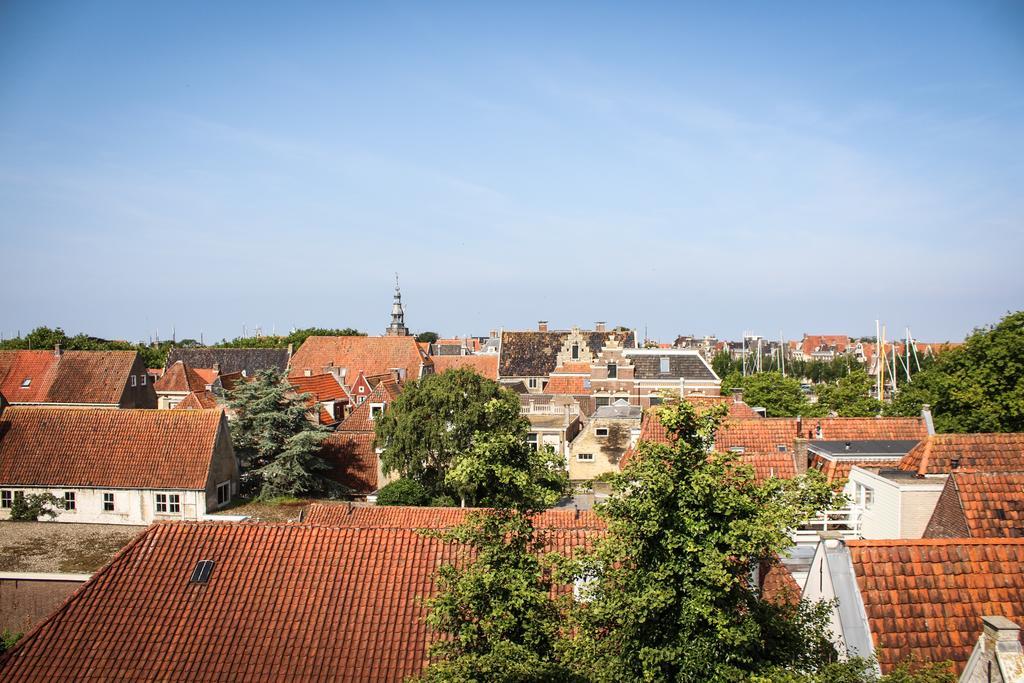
906, 352
782, 353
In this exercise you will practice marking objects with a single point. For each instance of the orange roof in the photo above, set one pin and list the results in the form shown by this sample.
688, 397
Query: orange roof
983, 505
925, 598
197, 400
567, 384
435, 517
369, 355
353, 460
137, 449
811, 342
976, 452
181, 377
359, 420
485, 365
323, 387
72, 377
837, 469
282, 602
737, 409
572, 369
777, 584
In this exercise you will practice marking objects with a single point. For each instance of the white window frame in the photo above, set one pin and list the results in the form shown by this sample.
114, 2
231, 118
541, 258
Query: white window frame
665, 365
135, 380
864, 495
6, 499
161, 504
376, 410
26, 383
174, 503
584, 457
142, 380
533, 440
112, 500
533, 382
70, 501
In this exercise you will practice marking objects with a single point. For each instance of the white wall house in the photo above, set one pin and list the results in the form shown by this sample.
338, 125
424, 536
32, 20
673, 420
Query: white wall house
118, 467
895, 503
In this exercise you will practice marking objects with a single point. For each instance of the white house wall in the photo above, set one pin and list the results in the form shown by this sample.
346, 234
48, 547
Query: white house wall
131, 506
882, 519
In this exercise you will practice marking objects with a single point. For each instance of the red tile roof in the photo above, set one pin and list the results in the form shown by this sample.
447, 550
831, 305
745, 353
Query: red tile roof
99, 377
835, 470
181, 377
925, 598
976, 453
359, 420
777, 584
369, 355
812, 342
484, 364
572, 385
138, 449
353, 460
322, 389
197, 400
737, 409
368, 516
282, 602
990, 505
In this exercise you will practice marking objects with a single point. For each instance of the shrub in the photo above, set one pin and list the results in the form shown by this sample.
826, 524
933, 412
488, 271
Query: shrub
35, 505
403, 492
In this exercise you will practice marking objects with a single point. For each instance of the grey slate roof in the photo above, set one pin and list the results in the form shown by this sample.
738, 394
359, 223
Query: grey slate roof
535, 354
681, 365
619, 412
863, 448
250, 361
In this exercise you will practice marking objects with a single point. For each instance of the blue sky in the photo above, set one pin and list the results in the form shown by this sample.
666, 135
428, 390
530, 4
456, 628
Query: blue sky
691, 168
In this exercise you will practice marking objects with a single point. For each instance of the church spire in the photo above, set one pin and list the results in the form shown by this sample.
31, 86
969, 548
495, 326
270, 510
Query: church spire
397, 327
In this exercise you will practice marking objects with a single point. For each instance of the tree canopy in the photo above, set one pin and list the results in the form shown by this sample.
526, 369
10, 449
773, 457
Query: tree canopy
276, 442
462, 435
779, 396
978, 387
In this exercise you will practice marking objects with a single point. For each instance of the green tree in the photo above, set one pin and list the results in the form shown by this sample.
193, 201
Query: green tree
276, 442
668, 593
496, 615
403, 492
294, 338
459, 418
427, 337
779, 396
849, 396
978, 387
723, 365
8, 640
30, 507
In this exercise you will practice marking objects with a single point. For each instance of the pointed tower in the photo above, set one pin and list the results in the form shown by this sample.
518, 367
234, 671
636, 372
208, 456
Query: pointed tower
397, 327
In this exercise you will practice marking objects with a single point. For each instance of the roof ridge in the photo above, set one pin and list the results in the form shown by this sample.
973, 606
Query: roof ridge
902, 542
922, 469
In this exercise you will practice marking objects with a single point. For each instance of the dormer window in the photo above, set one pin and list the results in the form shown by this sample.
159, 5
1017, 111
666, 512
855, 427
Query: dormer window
575, 351
665, 366
613, 371
376, 410
27, 383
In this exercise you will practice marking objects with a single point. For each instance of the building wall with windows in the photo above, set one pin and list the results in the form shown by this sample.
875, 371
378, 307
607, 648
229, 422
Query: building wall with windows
600, 444
895, 505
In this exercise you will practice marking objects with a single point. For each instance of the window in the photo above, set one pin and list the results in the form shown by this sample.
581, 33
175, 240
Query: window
168, 503
601, 431
108, 502
781, 447
69, 500
376, 410
26, 383
362, 389
5, 500
161, 502
575, 351
201, 574
142, 380
585, 457
864, 496
224, 493
533, 382
666, 365
171, 405
737, 449
174, 502
531, 440
613, 371
656, 400
135, 380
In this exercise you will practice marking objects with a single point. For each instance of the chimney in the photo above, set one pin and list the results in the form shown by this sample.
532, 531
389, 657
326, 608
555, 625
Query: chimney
216, 369
737, 395
290, 347
494, 334
799, 426
599, 326
542, 326
998, 656
56, 350
926, 415
801, 456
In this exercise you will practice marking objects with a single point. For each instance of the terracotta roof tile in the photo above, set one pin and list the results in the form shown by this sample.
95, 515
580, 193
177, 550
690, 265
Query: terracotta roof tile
484, 364
143, 449
198, 400
282, 602
572, 385
991, 505
975, 452
353, 460
182, 377
925, 598
99, 377
359, 419
369, 355
367, 516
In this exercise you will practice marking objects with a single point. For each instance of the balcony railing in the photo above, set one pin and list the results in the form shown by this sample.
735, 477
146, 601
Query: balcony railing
845, 522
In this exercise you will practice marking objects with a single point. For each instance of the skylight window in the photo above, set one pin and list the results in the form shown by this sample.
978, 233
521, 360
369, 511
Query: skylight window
201, 574
26, 383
